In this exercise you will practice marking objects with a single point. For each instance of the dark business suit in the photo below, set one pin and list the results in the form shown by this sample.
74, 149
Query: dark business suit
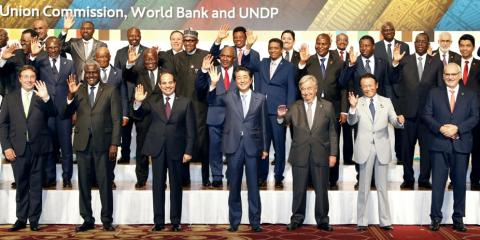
244, 139
76, 48
448, 154
166, 142
279, 89
473, 83
27, 167
453, 57
60, 128
97, 128
9, 72
309, 155
329, 89
120, 61
139, 75
412, 93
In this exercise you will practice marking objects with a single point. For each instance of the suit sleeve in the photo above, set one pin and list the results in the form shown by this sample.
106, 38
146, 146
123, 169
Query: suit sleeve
472, 120
143, 110
292, 91
117, 62
332, 131
346, 75
116, 116
5, 126
190, 129
214, 99
69, 109
427, 116
123, 95
215, 50
266, 135
392, 115
202, 85
49, 108
353, 118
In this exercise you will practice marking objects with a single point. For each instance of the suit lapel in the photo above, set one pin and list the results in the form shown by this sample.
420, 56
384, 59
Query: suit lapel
266, 71
238, 103
173, 108
19, 97
80, 49
303, 112
278, 69
99, 94
365, 105
318, 113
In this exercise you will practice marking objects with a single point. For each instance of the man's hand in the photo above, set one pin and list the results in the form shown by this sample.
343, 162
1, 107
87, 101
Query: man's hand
10, 154
112, 152
264, 155
214, 76
124, 121
250, 40
281, 112
222, 33
72, 86
140, 93
35, 47
68, 22
186, 158
397, 56
332, 160
132, 56
449, 130
342, 119
304, 54
207, 62
401, 119
41, 91
8, 52
352, 99
352, 57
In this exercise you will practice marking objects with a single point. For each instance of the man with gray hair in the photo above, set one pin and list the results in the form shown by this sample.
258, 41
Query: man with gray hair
443, 52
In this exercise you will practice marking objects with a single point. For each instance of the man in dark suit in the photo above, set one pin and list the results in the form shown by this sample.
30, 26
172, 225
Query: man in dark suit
146, 74
24, 138
451, 113
470, 73
326, 67
245, 139
277, 82
9, 64
169, 142
134, 37
81, 49
113, 76
40, 26
288, 53
415, 75
97, 137
165, 58
443, 52
55, 70
314, 149
367, 62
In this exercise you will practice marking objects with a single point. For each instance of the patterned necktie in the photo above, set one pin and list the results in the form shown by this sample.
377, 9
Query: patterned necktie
239, 56
54, 69
309, 115
367, 66
152, 79
287, 56
168, 108
420, 68
91, 96
452, 100
444, 59
372, 108
322, 67
226, 79
465, 73
341, 55
104, 75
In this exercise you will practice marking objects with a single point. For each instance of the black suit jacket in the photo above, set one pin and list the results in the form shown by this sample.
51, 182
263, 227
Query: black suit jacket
473, 81
115, 78
452, 56
329, 87
9, 72
176, 135
102, 122
14, 125
412, 92
350, 77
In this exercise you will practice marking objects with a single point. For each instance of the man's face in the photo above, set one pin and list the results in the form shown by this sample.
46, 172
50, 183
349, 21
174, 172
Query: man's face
369, 87
41, 28
134, 36
421, 44
451, 76
92, 74
274, 50
102, 56
27, 79
322, 44
3, 38
176, 41
466, 48
308, 90
288, 41
243, 80
342, 41
167, 84
25, 41
366, 48
190, 43
87, 30
227, 56
239, 39
150, 59
388, 32
444, 41
53, 47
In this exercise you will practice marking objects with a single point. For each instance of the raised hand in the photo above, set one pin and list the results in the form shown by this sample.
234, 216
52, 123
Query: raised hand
352, 57
397, 56
214, 75
68, 22
132, 56
9, 51
222, 33
250, 39
430, 51
41, 91
35, 47
304, 53
352, 99
207, 62
72, 86
140, 93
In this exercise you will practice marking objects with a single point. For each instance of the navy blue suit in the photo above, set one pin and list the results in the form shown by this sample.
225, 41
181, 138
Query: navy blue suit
350, 77
60, 128
244, 138
279, 89
215, 119
447, 153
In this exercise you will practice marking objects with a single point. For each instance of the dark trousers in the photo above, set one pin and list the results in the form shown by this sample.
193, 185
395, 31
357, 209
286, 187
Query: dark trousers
415, 129
215, 152
442, 163
278, 132
334, 171
61, 134
27, 171
475, 173
90, 161
141, 165
160, 164
126, 142
347, 131
236, 161
319, 177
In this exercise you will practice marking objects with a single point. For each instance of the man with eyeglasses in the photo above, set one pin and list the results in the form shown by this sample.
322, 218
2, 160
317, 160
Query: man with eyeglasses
443, 53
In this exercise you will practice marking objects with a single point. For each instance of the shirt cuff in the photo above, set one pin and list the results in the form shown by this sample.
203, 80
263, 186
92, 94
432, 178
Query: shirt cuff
2, 62
352, 110
136, 105
46, 99
279, 120
212, 88
70, 101
128, 65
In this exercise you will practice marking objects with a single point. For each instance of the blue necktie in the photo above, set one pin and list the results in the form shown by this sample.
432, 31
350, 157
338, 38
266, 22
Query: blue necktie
91, 96
322, 66
372, 108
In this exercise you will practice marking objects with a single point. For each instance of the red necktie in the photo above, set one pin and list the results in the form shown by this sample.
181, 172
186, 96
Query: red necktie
465, 74
168, 108
226, 79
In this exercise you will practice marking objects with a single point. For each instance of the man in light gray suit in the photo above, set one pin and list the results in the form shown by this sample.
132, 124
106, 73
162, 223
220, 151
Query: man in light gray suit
372, 148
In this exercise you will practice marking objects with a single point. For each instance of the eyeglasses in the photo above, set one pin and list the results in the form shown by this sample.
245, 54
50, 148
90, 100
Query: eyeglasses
451, 74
